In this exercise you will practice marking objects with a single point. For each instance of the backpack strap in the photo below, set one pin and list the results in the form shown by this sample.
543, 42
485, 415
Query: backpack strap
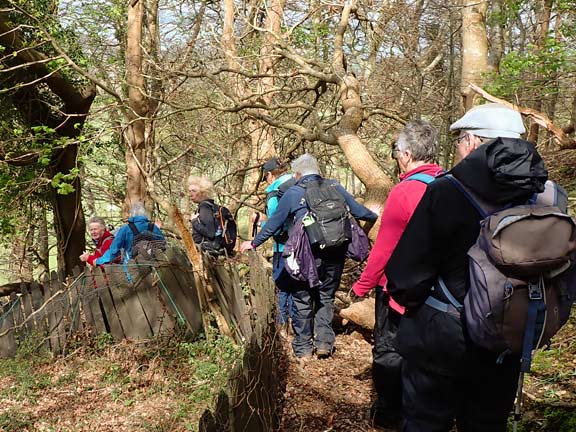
133, 228
481, 208
151, 227
535, 322
454, 306
421, 177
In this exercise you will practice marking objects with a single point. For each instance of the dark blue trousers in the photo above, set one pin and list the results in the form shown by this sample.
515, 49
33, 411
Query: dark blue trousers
314, 307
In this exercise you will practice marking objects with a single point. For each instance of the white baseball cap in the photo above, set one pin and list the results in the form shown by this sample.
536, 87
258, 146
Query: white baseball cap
491, 120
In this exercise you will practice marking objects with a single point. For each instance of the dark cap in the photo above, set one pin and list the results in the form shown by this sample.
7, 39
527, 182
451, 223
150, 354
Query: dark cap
272, 165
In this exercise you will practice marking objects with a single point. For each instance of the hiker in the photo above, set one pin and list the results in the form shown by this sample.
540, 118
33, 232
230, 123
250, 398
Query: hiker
213, 227
445, 376
415, 151
313, 307
279, 181
101, 237
126, 239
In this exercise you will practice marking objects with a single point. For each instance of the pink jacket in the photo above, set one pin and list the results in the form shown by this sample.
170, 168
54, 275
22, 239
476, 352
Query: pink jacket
398, 209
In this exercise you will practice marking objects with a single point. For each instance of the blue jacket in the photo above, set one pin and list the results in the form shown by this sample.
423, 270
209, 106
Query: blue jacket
272, 203
292, 207
123, 240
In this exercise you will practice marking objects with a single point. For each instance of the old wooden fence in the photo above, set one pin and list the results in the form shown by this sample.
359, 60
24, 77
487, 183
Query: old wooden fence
142, 301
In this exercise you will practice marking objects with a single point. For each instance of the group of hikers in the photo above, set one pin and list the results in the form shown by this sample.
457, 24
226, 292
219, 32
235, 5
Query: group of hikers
449, 266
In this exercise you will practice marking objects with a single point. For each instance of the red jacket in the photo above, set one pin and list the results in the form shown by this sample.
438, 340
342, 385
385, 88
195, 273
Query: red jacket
398, 209
102, 246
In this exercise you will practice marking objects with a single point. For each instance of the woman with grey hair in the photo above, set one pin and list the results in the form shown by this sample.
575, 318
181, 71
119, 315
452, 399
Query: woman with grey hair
415, 151
101, 237
138, 222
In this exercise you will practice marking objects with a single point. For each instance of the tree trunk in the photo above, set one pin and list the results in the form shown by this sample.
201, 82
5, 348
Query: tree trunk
544, 9
134, 134
474, 48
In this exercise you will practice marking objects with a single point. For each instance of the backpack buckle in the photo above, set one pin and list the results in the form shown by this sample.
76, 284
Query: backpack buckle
534, 291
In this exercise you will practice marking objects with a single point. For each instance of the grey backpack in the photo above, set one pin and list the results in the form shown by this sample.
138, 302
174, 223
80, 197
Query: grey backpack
522, 276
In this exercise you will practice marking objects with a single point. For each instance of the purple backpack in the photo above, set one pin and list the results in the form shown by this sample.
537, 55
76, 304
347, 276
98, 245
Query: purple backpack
299, 261
359, 246
522, 276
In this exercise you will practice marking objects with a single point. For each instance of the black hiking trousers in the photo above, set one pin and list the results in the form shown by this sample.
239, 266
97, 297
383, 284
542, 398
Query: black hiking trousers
386, 362
479, 400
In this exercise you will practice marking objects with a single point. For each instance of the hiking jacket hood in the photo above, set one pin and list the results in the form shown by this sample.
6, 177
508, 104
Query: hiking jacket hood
503, 171
436, 241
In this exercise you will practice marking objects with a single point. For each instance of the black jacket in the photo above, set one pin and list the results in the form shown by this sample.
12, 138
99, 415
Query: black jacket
436, 241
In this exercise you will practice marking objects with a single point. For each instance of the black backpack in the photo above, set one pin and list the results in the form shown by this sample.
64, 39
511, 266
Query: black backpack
328, 220
225, 235
281, 235
146, 244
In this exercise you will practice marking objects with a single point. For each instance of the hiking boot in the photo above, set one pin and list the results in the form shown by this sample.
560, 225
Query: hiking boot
384, 417
323, 353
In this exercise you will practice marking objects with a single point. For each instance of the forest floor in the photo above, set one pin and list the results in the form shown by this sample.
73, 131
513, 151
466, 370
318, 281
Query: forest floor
331, 394
335, 394
108, 386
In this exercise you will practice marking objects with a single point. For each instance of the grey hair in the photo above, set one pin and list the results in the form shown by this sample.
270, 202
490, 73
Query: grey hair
138, 209
419, 137
305, 165
98, 220
205, 186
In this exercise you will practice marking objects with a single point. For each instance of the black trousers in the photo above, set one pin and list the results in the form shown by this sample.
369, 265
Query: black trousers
479, 400
386, 362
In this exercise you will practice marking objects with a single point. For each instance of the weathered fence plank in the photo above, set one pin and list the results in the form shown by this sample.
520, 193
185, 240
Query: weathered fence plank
8, 346
91, 304
180, 294
129, 309
155, 309
40, 321
106, 302
60, 308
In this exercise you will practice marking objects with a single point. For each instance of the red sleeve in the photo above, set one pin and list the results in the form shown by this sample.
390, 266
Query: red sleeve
400, 205
100, 251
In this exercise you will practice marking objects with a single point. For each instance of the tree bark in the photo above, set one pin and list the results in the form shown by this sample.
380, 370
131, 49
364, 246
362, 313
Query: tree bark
474, 48
67, 121
134, 134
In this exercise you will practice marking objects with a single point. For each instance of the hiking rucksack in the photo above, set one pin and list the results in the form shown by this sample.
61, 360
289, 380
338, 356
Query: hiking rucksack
327, 222
146, 244
225, 233
522, 276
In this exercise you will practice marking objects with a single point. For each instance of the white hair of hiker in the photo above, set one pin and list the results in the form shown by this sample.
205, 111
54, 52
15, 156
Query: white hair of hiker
305, 165
138, 209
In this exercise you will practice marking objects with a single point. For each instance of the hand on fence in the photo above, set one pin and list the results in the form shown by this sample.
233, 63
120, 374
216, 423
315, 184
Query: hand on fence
84, 256
246, 245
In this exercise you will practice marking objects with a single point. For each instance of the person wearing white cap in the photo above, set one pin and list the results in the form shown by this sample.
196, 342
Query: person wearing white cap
445, 377
485, 122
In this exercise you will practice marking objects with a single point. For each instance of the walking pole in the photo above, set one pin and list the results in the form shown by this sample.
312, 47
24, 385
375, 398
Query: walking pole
518, 405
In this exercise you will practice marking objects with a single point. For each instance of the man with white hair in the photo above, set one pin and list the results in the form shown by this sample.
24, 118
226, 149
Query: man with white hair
124, 238
313, 308
445, 376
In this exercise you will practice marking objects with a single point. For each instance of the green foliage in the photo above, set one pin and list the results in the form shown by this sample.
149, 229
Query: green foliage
536, 66
211, 362
15, 420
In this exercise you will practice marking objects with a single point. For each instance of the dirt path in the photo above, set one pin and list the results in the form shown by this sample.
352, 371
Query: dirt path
331, 394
